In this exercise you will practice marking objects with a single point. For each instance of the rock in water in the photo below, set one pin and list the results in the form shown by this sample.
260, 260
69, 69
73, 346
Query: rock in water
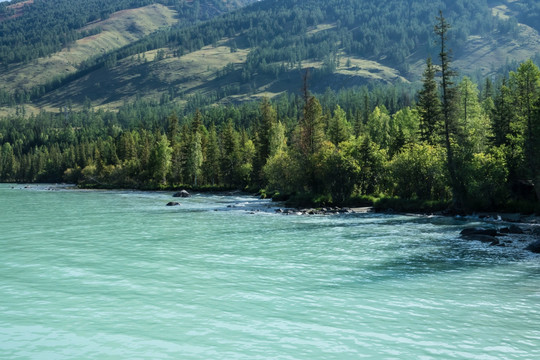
534, 247
478, 231
173, 203
182, 193
512, 229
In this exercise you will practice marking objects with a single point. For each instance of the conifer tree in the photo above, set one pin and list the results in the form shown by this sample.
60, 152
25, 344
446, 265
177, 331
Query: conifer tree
429, 105
339, 129
211, 164
195, 152
160, 159
501, 115
526, 81
172, 129
230, 154
267, 121
448, 107
474, 122
311, 127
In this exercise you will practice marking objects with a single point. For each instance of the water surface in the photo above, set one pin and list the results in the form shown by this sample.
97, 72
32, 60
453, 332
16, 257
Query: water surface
118, 275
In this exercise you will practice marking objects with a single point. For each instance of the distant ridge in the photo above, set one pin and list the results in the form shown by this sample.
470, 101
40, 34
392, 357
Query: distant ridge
173, 50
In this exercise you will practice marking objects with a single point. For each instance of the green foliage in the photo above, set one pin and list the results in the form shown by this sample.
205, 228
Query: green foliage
281, 35
419, 172
410, 205
404, 129
290, 149
339, 129
378, 127
160, 160
339, 174
283, 173
372, 178
429, 106
487, 182
45, 27
475, 128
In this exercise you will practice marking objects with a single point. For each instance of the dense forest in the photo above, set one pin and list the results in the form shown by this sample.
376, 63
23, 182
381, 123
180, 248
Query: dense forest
453, 146
282, 35
40, 28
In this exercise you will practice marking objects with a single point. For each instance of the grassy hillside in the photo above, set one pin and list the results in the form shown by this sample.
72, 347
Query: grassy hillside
120, 29
263, 50
145, 76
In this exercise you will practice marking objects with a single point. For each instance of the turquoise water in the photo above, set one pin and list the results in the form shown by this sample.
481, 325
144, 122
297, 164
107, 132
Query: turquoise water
118, 275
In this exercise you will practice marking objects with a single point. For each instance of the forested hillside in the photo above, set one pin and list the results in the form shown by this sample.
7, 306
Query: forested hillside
467, 150
35, 28
263, 49
45, 43
181, 117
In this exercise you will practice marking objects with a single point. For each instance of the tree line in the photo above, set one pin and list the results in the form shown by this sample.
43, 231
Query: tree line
475, 150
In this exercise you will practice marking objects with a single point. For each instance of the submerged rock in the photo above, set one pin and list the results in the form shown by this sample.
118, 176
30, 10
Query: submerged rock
182, 193
480, 237
173, 203
512, 229
478, 231
534, 247
496, 243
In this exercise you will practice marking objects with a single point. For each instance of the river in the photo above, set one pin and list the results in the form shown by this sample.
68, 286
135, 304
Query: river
119, 275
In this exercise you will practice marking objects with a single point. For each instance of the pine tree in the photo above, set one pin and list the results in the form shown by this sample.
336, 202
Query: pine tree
267, 121
474, 122
502, 114
449, 113
311, 127
172, 129
211, 164
526, 82
160, 159
339, 129
230, 154
429, 106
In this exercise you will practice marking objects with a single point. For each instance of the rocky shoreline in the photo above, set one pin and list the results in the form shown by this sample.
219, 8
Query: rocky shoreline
528, 238
321, 211
515, 230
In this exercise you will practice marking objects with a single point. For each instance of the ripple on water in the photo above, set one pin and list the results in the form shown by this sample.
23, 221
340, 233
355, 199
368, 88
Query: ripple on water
116, 274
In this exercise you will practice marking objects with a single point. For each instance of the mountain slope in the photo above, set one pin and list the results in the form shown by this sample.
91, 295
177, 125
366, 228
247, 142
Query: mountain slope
264, 48
120, 29
42, 42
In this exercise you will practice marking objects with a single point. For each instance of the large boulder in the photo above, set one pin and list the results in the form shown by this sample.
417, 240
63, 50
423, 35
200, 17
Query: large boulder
182, 193
512, 229
534, 247
478, 231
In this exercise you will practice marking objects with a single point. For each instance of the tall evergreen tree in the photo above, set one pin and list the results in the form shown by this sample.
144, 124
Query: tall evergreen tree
172, 129
160, 159
429, 105
449, 112
211, 164
311, 127
501, 115
339, 129
527, 94
267, 121
230, 154
474, 123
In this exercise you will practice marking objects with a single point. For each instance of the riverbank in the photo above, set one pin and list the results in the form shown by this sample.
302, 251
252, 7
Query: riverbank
512, 230
529, 224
